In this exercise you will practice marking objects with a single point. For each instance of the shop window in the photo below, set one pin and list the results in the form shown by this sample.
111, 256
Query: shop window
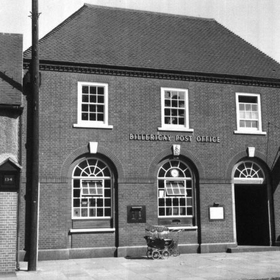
175, 190
174, 109
248, 113
91, 190
92, 105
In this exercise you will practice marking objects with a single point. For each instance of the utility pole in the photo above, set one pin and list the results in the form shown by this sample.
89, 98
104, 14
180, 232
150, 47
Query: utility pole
34, 221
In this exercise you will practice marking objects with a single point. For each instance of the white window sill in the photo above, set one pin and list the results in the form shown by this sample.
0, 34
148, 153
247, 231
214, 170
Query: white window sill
184, 228
92, 230
250, 132
77, 125
181, 129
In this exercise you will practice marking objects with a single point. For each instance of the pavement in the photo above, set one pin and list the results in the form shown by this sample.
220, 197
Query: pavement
221, 266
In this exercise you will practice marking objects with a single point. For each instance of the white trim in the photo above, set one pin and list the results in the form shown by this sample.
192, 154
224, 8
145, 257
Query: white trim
92, 230
247, 181
92, 126
175, 129
184, 228
171, 127
233, 213
250, 132
246, 130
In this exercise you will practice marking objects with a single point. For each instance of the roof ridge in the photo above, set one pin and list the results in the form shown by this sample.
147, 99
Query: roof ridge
11, 34
146, 12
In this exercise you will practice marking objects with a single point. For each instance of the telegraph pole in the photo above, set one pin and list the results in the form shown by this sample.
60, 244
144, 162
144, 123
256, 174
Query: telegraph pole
34, 221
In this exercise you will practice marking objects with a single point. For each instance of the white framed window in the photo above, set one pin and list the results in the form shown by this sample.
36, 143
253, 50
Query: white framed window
174, 109
175, 190
92, 105
248, 113
91, 190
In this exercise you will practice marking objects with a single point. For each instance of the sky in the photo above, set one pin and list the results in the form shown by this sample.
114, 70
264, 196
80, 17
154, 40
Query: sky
256, 21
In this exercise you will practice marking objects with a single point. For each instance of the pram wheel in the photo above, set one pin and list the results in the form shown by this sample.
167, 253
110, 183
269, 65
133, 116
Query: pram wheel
149, 253
165, 254
156, 255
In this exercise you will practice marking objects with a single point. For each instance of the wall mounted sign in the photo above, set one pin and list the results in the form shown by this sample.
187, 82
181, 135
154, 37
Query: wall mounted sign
216, 213
8, 182
176, 138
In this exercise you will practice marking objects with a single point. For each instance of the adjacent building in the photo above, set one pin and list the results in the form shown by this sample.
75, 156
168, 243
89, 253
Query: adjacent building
154, 118
11, 68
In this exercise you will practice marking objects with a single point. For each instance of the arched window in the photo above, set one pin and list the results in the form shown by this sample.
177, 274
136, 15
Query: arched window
248, 171
92, 190
175, 190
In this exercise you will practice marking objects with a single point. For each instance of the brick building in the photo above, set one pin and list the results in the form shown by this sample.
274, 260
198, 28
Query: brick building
159, 119
11, 67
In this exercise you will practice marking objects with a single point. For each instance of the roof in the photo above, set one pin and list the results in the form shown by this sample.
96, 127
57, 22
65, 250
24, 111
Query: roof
11, 65
130, 38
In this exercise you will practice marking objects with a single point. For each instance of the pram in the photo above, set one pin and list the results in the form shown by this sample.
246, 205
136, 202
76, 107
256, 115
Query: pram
162, 242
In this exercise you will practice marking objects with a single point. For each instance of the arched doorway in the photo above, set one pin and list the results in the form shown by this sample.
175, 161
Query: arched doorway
251, 204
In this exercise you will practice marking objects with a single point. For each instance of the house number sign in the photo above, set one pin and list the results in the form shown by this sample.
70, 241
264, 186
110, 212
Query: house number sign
176, 138
8, 179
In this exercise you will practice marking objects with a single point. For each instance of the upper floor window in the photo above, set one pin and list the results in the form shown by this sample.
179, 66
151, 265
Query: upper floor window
248, 113
174, 109
92, 105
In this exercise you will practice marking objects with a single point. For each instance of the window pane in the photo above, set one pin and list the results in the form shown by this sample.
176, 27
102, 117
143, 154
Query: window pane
247, 115
181, 121
107, 212
167, 94
76, 203
100, 117
84, 116
85, 98
93, 99
99, 212
100, 90
84, 89
168, 211
255, 115
161, 202
85, 108
100, 99
76, 212
161, 212
107, 193
92, 212
182, 211
84, 212
242, 123
93, 90
167, 103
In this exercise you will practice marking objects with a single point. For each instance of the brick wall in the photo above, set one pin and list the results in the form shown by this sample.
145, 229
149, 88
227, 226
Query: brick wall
8, 230
134, 107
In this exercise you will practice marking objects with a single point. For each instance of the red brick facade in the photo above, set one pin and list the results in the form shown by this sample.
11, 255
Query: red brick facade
135, 108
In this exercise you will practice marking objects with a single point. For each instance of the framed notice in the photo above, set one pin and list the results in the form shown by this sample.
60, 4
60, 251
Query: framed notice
216, 213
